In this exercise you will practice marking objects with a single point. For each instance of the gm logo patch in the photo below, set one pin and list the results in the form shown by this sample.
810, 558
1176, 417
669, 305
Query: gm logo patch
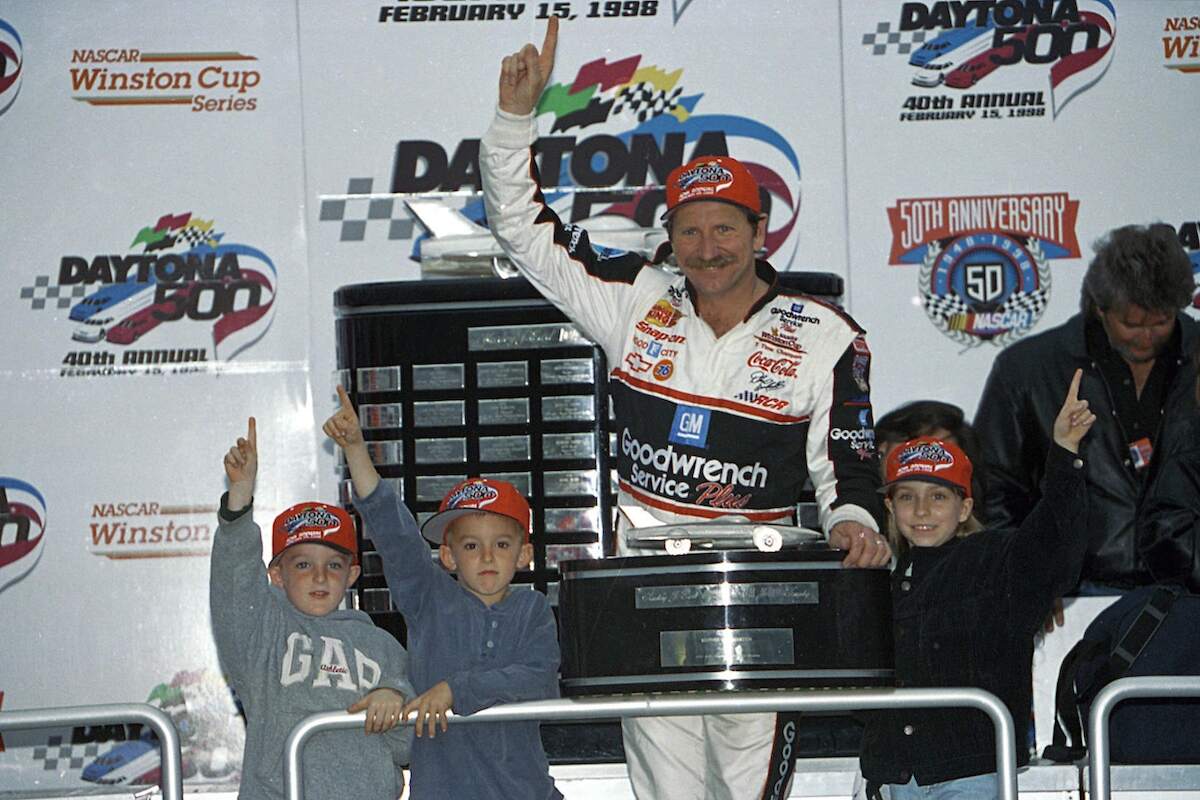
690, 426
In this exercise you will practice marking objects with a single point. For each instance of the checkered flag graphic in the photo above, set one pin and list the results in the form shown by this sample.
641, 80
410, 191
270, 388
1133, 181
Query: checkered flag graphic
883, 38
353, 214
194, 236
44, 294
1033, 302
58, 756
644, 101
944, 307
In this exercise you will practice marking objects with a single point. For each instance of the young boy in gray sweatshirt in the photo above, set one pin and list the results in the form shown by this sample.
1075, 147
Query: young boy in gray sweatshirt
289, 652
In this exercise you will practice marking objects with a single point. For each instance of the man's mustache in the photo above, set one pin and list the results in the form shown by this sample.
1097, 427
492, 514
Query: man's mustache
709, 263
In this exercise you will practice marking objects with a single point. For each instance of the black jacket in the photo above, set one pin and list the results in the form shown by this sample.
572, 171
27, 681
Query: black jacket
965, 615
1168, 530
1022, 397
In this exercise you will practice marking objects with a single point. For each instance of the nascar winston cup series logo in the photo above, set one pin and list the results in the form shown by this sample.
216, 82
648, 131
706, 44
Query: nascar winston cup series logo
182, 297
1181, 43
22, 529
11, 61
999, 60
983, 263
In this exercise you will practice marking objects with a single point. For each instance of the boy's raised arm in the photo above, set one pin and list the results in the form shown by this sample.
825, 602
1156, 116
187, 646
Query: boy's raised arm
343, 427
238, 593
390, 525
241, 468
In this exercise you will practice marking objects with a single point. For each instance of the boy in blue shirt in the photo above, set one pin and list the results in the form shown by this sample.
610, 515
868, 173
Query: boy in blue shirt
473, 642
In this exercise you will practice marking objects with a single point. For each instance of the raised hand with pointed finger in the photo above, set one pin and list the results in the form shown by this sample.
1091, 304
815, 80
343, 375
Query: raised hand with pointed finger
343, 427
241, 468
1074, 420
524, 74
346, 432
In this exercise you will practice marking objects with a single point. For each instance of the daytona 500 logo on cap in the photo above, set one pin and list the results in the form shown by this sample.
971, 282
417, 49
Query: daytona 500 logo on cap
472, 495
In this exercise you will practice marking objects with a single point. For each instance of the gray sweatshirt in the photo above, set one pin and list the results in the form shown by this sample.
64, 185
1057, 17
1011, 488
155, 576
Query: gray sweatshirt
286, 665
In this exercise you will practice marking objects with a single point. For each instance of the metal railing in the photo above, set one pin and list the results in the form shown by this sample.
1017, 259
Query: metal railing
1099, 776
742, 702
171, 779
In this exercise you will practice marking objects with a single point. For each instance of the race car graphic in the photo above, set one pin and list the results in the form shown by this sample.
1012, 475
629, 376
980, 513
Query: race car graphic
211, 735
107, 306
132, 763
982, 65
457, 245
944, 53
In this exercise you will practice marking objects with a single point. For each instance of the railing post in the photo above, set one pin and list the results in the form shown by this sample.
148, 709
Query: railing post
171, 779
1099, 774
650, 705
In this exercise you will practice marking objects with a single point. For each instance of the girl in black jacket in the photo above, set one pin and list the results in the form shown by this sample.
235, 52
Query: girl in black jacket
966, 607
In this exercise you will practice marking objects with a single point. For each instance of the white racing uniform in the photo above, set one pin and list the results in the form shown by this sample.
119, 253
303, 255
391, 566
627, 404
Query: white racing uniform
706, 427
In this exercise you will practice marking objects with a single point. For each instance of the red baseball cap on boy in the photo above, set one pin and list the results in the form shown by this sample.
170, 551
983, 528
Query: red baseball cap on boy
931, 460
319, 523
478, 494
721, 178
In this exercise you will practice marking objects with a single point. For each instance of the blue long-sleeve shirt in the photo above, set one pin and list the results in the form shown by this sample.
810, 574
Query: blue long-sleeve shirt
504, 653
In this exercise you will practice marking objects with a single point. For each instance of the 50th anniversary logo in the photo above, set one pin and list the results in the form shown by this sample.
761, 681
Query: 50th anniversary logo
983, 262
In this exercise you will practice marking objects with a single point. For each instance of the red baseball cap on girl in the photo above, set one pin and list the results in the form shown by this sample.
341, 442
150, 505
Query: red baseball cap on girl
930, 460
474, 495
318, 523
721, 178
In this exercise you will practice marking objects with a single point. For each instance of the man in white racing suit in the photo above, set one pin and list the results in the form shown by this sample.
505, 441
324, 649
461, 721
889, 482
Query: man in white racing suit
728, 394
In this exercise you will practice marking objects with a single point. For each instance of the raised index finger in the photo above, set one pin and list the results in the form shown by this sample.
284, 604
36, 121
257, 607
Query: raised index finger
252, 434
1073, 392
345, 399
549, 45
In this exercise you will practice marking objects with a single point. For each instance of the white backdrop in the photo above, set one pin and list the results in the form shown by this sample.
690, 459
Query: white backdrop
273, 133
1113, 147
